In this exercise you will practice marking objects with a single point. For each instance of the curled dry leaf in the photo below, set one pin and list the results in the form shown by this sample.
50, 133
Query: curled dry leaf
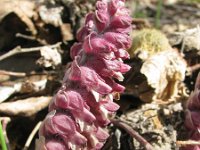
159, 77
50, 57
26, 107
158, 70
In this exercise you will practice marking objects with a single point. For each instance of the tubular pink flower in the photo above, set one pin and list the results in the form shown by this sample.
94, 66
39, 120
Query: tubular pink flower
192, 119
80, 111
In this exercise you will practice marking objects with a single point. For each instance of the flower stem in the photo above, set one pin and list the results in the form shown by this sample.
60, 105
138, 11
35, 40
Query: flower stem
2, 139
133, 133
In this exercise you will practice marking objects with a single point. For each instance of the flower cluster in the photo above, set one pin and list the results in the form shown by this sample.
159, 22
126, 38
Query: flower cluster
81, 108
192, 121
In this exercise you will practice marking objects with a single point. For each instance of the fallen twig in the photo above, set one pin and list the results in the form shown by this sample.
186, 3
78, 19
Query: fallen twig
133, 133
18, 50
31, 136
185, 143
10, 73
23, 74
32, 38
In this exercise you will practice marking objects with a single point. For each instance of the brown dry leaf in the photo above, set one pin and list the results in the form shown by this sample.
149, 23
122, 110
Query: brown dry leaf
26, 107
10, 6
164, 71
159, 77
24, 9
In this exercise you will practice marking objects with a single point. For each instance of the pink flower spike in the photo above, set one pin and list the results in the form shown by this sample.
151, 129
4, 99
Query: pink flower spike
82, 107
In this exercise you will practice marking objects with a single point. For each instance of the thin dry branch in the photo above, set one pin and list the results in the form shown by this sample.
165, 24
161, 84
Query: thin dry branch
189, 142
18, 50
10, 73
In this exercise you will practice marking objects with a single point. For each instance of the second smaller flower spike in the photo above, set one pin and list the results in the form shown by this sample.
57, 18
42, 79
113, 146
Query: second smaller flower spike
192, 119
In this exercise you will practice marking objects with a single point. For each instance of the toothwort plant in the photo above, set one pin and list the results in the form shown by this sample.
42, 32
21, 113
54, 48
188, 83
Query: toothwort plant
192, 121
80, 111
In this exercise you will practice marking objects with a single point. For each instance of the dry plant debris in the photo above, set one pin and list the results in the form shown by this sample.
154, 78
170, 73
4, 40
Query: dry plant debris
158, 70
164, 71
49, 57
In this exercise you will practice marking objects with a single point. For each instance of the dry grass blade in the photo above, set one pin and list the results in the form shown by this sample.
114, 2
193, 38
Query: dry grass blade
31, 136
